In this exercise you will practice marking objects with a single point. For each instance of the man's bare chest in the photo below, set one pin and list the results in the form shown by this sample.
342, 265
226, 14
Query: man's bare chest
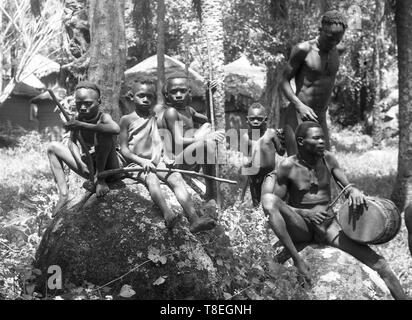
318, 64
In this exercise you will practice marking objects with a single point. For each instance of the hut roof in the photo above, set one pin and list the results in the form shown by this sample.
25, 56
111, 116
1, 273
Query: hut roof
148, 69
41, 66
244, 79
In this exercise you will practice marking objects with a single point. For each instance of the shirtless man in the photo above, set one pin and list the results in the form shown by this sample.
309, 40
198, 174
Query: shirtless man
262, 149
408, 223
314, 65
98, 131
304, 180
141, 144
187, 143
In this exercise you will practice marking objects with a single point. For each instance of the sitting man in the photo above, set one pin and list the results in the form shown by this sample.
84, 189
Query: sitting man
98, 131
408, 223
141, 144
263, 144
185, 145
304, 180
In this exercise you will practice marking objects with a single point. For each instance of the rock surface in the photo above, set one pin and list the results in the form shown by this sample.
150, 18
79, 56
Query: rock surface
123, 235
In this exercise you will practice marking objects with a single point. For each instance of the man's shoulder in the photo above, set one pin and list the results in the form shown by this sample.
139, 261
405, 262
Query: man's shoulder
303, 47
287, 164
129, 117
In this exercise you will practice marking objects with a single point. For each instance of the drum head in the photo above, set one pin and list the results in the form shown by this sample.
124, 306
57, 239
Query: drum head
362, 225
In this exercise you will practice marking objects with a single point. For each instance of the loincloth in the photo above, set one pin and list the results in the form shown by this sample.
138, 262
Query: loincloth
260, 177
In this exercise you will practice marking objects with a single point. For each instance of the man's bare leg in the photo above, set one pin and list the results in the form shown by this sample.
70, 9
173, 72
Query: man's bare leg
336, 238
197, 224
106, 158
58, 154
289, 227
408, 223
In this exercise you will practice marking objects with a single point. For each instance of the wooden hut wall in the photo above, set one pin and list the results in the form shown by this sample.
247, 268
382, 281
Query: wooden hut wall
16, 109
46, 115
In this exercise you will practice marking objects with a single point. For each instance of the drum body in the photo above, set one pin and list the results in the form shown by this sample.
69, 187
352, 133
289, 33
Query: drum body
377, 224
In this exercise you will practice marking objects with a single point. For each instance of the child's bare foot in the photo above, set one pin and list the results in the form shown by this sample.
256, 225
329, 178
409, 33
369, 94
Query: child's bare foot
101, 188
171, 220
202, 224
63, 200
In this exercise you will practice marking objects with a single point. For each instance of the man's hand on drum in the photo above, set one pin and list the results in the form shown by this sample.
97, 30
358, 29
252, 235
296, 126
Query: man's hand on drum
356, 198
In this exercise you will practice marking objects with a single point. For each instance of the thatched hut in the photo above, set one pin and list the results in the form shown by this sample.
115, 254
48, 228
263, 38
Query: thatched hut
244, 84
27, 106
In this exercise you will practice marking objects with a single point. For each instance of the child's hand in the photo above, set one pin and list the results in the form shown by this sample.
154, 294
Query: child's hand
148, 166
72, 125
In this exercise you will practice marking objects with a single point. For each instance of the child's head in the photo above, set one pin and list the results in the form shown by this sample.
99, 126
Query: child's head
177, 89
87, 99
143, 93
256, 116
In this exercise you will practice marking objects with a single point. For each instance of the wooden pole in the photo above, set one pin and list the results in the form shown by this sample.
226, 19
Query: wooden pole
161, 78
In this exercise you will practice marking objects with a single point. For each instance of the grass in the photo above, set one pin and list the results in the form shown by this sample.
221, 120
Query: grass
28, 193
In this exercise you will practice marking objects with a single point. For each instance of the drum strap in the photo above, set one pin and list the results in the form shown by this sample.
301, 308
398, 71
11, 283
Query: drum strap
344, 189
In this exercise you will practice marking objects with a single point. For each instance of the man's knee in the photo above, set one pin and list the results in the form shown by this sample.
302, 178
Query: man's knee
53, 147
270, 202
408, 217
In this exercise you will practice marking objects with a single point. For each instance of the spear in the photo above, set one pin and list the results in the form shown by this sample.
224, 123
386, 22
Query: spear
212, 119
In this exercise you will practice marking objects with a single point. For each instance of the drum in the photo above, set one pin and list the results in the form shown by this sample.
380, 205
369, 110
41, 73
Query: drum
378, 223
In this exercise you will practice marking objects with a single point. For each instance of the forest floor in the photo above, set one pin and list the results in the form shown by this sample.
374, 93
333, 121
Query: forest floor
28, 194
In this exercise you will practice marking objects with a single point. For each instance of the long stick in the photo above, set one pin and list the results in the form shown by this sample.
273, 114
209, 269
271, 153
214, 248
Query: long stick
105, 174
212, 120
79, 137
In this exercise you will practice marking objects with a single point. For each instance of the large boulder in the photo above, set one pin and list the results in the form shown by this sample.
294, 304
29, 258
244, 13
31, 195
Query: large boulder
123, 237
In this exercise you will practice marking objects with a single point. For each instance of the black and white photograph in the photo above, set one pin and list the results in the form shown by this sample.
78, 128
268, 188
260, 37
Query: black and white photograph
224, 152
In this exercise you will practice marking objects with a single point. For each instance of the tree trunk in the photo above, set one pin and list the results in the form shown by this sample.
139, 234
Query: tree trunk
1, 54
402, 193
213, 34
272, 97
107, 51
213, 51
160, 50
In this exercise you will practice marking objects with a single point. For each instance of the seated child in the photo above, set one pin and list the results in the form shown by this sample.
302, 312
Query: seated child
141, 144
263, 144
98, 131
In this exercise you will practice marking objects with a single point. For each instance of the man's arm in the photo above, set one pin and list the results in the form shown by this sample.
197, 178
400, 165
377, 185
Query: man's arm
354, 195
105, 125
282, 180
291, 69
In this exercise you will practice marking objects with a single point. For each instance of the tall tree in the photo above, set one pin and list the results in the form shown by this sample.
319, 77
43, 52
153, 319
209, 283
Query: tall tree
107, 51
160, 50
211, 17
402, 193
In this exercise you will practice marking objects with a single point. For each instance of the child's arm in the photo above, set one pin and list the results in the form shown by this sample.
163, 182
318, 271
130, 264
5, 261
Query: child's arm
280, 149
124, 147
105, 125
198, 117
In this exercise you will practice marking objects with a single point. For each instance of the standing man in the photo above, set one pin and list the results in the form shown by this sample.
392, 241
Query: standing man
313, 64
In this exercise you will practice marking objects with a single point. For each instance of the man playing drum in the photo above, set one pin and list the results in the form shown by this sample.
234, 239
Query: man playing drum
304, 180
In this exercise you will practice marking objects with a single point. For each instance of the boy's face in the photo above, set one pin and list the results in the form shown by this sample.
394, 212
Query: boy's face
178, 92
256, 118
87, 102
144, 96
330, 36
